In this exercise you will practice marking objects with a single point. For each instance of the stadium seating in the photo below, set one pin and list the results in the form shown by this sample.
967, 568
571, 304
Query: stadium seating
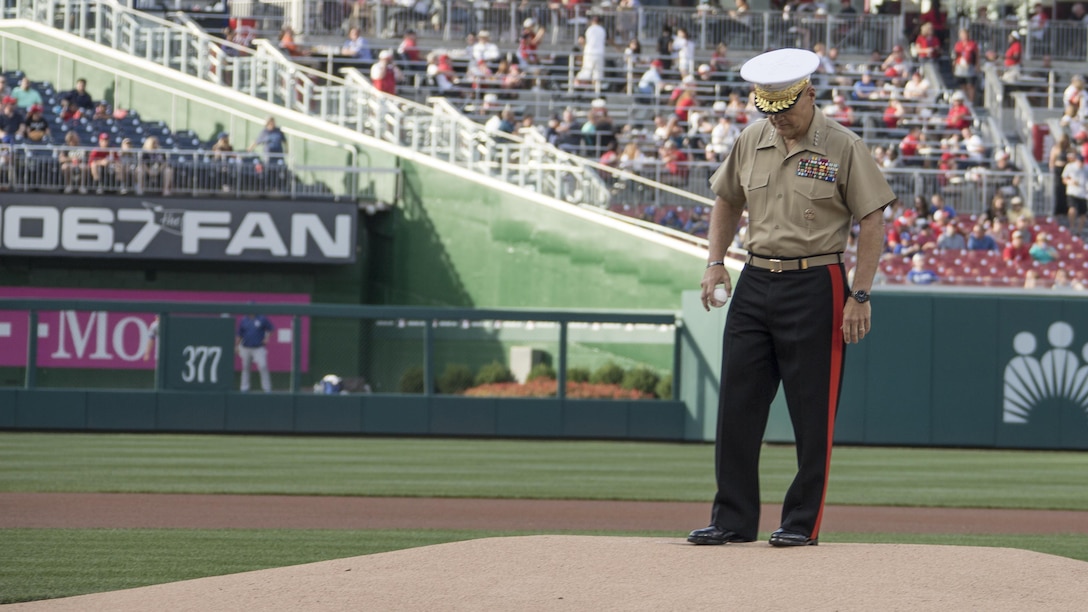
195, 170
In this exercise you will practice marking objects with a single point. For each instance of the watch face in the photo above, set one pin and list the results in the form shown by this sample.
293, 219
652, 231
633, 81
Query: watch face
861, 296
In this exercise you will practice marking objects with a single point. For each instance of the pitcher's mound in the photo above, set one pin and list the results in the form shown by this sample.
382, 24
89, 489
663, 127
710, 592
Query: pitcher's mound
618, 573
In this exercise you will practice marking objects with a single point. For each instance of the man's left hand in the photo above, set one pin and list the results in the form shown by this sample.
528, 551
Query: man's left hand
856, 321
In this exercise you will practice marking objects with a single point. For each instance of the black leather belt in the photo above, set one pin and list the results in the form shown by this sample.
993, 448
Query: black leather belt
799, 263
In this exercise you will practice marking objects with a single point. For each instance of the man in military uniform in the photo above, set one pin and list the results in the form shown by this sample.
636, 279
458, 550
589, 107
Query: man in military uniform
804, 180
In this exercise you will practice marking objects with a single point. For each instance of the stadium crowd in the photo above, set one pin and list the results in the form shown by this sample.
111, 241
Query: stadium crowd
67, 141
669, 112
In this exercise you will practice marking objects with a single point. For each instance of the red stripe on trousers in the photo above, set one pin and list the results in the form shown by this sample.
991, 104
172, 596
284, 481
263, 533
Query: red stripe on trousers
838, 303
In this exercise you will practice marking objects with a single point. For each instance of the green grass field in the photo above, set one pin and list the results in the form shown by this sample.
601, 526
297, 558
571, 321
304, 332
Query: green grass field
46, 563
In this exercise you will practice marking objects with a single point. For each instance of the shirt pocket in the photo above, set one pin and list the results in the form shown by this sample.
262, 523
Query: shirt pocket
756, 191
816, 204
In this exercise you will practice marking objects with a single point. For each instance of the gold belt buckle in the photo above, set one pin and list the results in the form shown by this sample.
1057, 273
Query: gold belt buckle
776, 265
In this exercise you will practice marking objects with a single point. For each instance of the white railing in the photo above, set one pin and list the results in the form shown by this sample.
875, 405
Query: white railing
452, 20
968, 190
1061, 40
135, 171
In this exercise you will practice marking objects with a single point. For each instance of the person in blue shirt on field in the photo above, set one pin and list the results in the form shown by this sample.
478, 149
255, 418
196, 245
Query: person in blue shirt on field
253, 332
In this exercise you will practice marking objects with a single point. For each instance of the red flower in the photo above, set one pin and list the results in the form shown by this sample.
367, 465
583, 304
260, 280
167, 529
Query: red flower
547, 387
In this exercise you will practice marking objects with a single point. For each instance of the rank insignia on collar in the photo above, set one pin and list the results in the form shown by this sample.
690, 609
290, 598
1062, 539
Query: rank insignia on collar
818, 168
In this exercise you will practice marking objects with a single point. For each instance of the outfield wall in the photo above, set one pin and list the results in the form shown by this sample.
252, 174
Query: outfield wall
997, 369
941, 367
371, 414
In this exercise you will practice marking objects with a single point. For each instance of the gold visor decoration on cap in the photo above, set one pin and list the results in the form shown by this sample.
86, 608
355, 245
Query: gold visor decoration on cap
779, 100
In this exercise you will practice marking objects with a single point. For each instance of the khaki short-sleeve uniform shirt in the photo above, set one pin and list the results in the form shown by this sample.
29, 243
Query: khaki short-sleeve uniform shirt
801, 203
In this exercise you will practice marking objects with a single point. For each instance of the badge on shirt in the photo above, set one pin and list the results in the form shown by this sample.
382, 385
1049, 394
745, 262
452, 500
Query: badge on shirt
818, 168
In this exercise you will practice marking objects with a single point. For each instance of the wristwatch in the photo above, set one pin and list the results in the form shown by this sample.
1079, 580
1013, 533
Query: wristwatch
861, 296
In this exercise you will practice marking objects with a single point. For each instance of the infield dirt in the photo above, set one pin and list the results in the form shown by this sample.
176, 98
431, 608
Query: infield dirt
562, 572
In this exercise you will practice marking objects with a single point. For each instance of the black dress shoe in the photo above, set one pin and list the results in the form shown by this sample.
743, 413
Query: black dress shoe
714, 535
789, 538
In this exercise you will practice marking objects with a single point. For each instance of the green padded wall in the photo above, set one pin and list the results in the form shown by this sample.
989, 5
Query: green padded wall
458, 243
1000, 369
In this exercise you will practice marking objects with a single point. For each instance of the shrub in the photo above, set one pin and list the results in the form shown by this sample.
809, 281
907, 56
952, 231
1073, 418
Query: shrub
664, 387
541, 370
608, 374
411, 381
455, 379
641, 379
578, 375
494, 372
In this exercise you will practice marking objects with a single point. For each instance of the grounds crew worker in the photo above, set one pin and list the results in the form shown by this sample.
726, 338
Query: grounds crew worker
803, 178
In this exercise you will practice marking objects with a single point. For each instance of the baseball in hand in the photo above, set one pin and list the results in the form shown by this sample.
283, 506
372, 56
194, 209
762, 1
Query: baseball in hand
720, 296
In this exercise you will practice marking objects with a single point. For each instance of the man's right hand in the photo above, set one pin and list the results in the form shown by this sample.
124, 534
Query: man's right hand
714, 276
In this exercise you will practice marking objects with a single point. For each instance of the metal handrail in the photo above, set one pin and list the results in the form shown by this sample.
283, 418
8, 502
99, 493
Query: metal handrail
451, 20
196, 172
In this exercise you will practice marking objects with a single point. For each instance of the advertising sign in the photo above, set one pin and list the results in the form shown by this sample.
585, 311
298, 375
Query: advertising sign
281, 231
126, 340
197, 352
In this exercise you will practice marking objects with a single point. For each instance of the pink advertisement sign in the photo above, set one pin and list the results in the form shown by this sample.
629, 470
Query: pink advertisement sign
120, 340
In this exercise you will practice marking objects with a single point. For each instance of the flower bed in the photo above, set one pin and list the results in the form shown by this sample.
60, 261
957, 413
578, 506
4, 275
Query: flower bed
547, 387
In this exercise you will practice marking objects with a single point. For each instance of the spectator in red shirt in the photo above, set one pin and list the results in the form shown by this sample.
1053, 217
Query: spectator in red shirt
611, 155
908, 147
99, 160
1080, 140
532, 35
839, 111
408, 51
935, 17
675, 161
69, 112
1017, 249
685, 102
959, 115
894, 112
1013, 51
383, 75
965, 63
927, 46
288, 45
895, 65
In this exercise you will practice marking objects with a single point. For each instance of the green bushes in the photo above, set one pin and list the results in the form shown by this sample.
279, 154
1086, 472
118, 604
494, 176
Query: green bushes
608, 374
455, 379
543, 370
411, 381
641, 379
494, 372
664, 387
580, 375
